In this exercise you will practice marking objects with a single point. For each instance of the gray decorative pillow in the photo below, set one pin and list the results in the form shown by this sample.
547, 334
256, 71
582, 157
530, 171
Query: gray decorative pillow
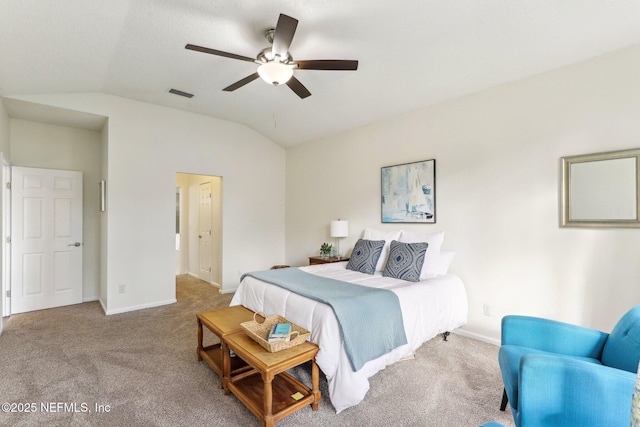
365, 256
405, 260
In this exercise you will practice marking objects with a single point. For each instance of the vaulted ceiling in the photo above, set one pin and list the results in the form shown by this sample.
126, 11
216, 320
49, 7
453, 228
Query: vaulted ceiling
411, 53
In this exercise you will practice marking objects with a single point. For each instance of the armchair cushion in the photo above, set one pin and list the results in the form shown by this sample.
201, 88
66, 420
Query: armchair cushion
509, 357
564, 391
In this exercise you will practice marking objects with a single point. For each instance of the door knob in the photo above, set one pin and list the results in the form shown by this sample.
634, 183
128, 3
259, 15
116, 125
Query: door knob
76, 244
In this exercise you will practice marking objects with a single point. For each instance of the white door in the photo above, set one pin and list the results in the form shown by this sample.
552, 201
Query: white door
46, 238
204, 232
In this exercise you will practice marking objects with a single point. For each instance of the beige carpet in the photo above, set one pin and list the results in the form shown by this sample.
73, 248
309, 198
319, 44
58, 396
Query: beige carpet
140, 369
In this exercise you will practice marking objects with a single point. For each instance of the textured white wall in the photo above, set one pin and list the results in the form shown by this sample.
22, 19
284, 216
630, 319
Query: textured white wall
41, 145
498, 177
147, 146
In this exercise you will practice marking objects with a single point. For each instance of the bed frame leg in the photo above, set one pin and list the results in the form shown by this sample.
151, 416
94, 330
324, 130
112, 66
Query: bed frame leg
445, 335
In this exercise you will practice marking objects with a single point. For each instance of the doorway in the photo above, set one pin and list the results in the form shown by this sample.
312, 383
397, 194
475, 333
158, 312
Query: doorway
199, 227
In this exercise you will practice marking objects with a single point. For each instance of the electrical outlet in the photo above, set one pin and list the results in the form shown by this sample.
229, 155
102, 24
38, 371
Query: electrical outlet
122, 288
486, 309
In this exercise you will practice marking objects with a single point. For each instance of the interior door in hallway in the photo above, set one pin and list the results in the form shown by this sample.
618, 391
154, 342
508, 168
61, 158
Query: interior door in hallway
46, 238
204, 232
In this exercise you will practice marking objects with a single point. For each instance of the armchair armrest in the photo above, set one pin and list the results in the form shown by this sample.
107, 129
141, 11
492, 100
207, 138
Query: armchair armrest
561, 391
552, 336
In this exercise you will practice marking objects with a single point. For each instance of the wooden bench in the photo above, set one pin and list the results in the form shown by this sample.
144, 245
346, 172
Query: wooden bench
266, 389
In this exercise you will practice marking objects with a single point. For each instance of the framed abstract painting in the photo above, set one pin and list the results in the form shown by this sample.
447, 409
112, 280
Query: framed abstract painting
409, 192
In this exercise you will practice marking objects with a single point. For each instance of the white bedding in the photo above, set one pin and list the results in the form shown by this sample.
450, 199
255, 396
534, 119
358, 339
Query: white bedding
429, 307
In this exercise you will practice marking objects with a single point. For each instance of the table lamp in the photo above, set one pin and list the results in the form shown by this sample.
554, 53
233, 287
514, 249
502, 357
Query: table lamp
339, 229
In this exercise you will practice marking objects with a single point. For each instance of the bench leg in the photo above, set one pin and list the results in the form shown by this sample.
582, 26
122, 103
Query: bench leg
267, 408
315, 377
199, 349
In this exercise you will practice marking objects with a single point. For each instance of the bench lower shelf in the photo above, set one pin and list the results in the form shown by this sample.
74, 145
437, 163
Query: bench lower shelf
249, 389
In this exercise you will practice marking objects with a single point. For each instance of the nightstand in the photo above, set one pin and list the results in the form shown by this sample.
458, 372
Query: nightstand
322, 260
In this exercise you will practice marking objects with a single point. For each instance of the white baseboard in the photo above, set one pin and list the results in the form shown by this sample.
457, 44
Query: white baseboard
478, 337
214, 284
228, 291
140, 307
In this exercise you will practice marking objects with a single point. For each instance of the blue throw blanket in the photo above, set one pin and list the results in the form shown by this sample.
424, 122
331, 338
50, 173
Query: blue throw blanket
370, 319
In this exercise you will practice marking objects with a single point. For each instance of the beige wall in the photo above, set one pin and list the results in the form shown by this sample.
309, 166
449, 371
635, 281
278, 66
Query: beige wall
40, 145
498, 172
147, 146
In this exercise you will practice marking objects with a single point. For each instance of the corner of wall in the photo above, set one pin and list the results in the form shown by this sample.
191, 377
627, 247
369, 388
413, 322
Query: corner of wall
4, 130
104, 243
4, 153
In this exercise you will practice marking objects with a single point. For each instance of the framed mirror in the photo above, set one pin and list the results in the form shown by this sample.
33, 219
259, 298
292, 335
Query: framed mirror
601, 190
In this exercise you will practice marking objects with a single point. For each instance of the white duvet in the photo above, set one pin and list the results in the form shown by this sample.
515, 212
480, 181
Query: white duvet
429, 308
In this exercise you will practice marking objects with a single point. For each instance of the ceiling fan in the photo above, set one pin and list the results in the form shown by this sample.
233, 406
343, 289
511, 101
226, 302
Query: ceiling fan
276, 65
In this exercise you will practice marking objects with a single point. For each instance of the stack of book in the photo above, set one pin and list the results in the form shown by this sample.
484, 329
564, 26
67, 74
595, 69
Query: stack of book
279, 332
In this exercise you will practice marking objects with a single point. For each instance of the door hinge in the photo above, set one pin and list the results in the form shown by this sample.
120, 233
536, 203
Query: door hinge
9, 293
8, 186
8, 239
209, 269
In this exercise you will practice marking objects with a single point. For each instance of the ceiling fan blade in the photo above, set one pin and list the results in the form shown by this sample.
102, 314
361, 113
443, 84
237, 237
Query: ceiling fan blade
298, 88
219, 53
241, 83
327, 64
283, 36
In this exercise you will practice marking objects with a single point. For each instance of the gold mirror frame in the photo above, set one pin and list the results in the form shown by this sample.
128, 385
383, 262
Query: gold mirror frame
566, 214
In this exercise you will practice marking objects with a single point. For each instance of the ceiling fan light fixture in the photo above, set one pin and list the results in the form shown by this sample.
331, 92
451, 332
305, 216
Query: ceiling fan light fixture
275, 73
275, 64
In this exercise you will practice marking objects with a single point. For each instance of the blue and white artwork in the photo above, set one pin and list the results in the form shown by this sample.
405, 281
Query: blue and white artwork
409, 192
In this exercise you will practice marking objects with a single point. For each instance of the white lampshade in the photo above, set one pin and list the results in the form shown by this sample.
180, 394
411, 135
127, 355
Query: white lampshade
339, 228
275, 73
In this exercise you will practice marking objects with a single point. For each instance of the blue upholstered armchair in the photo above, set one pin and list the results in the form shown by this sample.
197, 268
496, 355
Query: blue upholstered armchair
557, 374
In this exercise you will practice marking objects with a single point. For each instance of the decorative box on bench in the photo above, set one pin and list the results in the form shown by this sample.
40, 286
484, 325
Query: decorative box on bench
259, 331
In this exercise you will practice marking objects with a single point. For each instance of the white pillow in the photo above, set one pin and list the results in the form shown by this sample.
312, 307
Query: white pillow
387, 236
446, 257
431, 267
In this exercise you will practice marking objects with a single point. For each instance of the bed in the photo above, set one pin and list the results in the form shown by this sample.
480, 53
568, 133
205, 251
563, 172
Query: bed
429, 307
